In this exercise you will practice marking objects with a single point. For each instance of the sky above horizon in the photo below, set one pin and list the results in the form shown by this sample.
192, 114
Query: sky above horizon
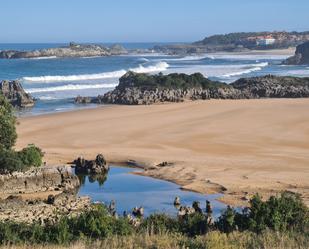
144, 20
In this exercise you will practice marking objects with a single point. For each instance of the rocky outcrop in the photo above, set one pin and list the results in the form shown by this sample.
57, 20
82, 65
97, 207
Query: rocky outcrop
137, 96
39, 180
301, 56
92, 167
17, 209
15, 94
73, 50
270, 86
127, 93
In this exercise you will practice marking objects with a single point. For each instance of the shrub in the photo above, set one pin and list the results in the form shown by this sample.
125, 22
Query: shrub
10, 161
194, 224
281, 213
31, 156
7, 125
159, 223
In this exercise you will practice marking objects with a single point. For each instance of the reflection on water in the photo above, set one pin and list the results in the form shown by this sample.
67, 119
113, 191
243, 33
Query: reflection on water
129, 190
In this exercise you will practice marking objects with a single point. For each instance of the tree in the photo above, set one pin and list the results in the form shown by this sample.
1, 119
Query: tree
8, 134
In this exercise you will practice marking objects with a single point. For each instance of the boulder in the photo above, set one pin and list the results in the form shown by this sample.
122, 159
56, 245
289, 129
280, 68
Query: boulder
15, 94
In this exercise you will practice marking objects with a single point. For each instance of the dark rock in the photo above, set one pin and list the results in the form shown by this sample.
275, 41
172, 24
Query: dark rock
83, 100
51, 199
270, 86
301, 56
15, 94
97, 166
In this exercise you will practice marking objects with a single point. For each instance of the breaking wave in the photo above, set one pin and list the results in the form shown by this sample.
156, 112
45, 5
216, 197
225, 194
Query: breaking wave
160, 66
70, 87
257, 67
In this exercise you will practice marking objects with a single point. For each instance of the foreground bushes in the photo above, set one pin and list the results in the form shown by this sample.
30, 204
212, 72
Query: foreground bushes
284, 215
11, 160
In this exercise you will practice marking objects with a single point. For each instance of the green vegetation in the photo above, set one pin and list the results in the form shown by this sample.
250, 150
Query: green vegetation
171, 81
8, 134
237, 38
280, 221
10, 160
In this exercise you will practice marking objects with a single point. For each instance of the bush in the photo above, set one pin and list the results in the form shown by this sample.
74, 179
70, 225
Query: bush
31, 156
8, 134
282, 213
194, 224
10, 161
159, 223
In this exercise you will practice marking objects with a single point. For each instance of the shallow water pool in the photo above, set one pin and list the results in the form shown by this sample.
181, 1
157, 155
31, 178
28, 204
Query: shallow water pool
130, 190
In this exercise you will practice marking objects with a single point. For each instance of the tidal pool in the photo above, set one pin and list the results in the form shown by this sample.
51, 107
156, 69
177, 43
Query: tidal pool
129, 191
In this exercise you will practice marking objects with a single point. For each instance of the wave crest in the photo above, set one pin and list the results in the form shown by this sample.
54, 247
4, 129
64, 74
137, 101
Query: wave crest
70, 87
160, 66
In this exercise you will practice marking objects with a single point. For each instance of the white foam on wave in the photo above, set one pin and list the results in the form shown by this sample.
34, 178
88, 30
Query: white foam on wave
265, 56
44, 58
70, 87
257, 67
160, 66
47, 98
190, 58
222, 71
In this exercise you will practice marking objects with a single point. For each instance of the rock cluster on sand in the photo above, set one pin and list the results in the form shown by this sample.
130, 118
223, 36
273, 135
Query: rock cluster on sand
15, 94
301, 56
97, 166
73, 50
128, 92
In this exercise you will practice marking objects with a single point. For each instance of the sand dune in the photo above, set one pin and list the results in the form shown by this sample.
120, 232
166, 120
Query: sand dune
244, 146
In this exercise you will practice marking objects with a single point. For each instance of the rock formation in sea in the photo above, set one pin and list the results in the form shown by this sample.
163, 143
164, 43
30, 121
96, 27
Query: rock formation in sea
15, 94
301, 56
142, 89
72, 50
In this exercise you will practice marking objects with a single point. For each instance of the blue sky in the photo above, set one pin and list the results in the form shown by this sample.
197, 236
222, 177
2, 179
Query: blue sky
144, 20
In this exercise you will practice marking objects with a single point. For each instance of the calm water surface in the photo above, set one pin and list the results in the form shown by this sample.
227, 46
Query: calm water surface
129, 190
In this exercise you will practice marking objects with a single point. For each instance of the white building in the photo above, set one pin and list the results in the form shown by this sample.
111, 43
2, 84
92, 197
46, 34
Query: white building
265, 41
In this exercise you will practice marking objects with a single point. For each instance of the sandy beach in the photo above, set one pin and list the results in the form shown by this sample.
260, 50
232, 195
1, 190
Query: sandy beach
241, 146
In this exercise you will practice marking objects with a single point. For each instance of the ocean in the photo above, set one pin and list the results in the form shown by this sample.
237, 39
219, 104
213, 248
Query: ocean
55, 82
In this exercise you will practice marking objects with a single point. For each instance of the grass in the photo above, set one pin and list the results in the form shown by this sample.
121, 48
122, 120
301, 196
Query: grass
212, 240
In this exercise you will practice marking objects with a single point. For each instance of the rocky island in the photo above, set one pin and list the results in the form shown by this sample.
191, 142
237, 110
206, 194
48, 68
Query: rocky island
301, 56
72, 50
143, 89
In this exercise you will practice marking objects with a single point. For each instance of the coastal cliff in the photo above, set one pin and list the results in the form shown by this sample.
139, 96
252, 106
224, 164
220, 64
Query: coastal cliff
142, 89
15, 94
72, 50
301, 56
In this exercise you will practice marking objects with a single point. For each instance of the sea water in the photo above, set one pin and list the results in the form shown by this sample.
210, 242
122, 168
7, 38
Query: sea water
55, 82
